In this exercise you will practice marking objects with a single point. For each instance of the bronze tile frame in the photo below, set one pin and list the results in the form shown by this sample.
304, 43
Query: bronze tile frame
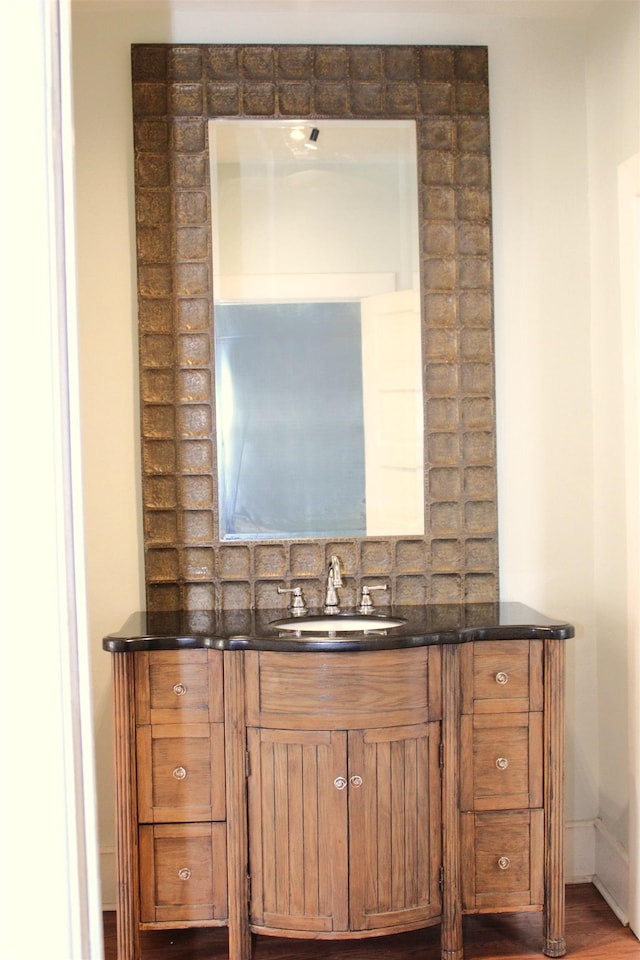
176, 89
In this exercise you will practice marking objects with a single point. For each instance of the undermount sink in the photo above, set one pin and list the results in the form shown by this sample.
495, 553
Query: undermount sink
338, 623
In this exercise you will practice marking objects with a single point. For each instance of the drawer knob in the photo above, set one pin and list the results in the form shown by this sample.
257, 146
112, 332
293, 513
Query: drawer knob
502, 763
504, 863
339, 783
179, 773
179, 689
355, 781
502, 677
184, 873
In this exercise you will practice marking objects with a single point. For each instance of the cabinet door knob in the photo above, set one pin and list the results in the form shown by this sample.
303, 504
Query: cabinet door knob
502, 677
504, 863
355, 781
502, 763
339, 783
179, 689
184, 873
179, 773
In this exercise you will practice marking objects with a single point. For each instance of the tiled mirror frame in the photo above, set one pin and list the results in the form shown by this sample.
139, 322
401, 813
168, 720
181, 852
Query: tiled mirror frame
176, 89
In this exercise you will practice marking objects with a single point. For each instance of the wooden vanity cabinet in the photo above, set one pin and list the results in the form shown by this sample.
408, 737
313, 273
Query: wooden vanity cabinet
344, 791
335, 793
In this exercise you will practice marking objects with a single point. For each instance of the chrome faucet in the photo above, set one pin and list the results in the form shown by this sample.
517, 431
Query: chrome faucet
334, 580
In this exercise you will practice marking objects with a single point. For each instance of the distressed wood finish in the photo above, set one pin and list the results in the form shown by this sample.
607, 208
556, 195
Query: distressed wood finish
237, 837
501, 800
344, 823
126, 807
505, 768
520, 664
364, 793
178, 686
338, 691
452, 948
394, 826
554, 943
503, 860
181, 773
298, 828
183, 873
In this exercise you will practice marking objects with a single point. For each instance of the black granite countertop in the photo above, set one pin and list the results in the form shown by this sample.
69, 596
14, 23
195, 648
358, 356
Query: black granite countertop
252, 629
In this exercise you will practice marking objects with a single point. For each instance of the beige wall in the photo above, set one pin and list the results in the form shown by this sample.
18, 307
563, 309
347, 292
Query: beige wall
613, 112
553, 402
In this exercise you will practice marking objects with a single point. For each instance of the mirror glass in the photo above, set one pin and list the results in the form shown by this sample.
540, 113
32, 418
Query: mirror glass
319, 404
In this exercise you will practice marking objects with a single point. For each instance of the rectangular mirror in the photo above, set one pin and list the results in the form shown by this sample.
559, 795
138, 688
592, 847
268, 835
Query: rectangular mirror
434, 100
317, 328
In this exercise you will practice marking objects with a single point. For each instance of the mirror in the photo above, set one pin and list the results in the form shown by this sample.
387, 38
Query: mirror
317, 332
440, 91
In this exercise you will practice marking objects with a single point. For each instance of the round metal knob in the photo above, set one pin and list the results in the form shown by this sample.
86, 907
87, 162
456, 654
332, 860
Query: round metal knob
502, 677
179, 773
355, 781
339, 783
502, 763
179, 689
504, 863
184, 873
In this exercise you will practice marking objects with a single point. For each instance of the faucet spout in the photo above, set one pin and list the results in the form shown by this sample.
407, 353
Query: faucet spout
334, 579
335, 570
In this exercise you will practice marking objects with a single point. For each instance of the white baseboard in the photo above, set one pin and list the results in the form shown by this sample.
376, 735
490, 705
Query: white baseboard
593, 855
108, 881
579, 851
612, 871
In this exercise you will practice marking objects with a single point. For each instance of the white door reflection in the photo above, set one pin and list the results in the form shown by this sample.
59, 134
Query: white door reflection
317, 329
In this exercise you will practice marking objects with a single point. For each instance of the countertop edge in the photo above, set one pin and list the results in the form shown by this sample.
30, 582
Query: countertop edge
121, 642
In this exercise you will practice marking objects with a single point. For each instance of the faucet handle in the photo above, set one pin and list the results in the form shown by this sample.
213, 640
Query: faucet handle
366, 606
297, 605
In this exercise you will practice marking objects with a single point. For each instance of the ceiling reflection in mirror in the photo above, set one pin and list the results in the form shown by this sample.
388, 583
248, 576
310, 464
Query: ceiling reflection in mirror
317, 328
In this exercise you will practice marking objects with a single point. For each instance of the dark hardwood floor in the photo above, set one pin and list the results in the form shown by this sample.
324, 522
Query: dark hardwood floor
593, 933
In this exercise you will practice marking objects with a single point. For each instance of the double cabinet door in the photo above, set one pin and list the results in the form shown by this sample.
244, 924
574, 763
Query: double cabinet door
344, 790
344, 828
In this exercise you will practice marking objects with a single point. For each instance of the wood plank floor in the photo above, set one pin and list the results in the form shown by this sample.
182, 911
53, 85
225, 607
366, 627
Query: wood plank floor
593, 933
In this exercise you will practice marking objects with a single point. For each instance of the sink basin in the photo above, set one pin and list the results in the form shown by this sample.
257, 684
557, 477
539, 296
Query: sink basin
338, 623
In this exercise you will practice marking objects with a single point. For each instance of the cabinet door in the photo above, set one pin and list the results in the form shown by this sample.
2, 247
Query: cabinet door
298, 829
394, 826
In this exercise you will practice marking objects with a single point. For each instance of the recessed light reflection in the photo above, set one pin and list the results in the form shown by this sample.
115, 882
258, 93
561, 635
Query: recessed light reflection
297, 133
312, 142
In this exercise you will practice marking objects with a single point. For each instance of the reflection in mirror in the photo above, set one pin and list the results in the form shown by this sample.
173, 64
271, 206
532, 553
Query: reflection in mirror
317, 328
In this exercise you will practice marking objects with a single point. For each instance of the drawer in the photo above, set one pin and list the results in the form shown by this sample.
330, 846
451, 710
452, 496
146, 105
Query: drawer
340, 691
501, 766
181, 773
502, 858
183, 873
175, 686
502, 676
